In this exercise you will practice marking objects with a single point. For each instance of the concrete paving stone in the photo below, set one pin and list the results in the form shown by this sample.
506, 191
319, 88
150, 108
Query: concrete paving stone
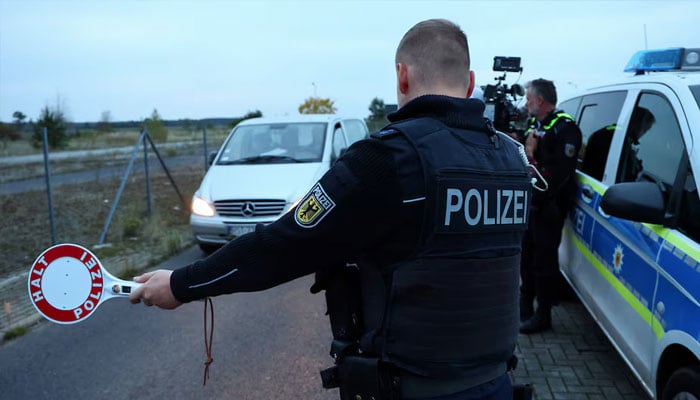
569, 396
595, 366
545, 358
625, 387
612, 392
542, 393
600, 382
556, 385
583, 373
583, 389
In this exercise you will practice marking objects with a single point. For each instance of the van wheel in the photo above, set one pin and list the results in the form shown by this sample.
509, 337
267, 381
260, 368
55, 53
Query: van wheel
208, 248
684, 384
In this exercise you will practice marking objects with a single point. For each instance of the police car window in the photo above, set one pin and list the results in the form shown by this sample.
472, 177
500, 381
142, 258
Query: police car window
355, 130
571, 106
598, 122
689, 218
695, 90
653, 145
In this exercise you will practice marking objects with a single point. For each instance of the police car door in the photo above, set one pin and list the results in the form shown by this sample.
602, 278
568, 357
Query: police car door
647, 261
665, 154
613, 267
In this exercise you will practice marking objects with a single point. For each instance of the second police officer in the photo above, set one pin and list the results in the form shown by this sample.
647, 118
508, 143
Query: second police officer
432, 209
552, 146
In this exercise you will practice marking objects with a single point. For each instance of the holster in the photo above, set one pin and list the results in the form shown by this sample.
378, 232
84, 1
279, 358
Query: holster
343, 300
358, 377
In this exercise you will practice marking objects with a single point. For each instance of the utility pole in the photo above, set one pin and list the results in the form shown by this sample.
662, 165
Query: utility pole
646, 47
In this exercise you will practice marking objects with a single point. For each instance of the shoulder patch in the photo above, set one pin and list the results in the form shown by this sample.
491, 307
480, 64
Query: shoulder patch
313, 207
569, 150
385, 133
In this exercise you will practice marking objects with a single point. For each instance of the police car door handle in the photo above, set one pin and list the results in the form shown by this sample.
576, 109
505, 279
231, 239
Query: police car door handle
587, 193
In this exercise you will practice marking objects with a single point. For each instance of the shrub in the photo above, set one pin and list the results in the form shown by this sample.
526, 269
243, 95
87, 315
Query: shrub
55, 123
131, 226
15, 332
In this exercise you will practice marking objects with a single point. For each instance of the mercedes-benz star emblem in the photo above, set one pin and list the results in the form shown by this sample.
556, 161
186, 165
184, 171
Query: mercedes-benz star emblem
248, 209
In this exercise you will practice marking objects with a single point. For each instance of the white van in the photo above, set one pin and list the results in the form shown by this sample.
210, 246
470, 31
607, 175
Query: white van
262, 170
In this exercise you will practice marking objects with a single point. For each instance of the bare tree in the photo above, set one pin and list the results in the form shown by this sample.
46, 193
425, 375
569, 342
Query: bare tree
105, 124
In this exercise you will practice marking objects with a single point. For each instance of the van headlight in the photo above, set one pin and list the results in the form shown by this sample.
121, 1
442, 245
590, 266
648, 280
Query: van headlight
202, 207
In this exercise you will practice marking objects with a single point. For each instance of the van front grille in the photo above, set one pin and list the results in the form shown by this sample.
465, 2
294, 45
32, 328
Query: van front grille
249, 208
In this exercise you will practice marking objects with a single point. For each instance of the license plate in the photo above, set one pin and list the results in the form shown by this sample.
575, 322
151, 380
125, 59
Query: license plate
238, 230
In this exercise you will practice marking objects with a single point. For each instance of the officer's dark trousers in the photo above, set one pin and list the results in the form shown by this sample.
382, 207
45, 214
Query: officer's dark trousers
497, 389
539, 267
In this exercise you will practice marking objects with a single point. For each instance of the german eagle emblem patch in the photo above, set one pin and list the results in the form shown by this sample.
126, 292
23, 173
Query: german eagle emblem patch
313, 208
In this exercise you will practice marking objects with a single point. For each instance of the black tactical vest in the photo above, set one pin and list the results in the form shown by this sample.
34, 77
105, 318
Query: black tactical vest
451, 308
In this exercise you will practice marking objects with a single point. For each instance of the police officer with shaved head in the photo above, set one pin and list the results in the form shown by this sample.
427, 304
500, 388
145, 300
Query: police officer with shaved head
417, 232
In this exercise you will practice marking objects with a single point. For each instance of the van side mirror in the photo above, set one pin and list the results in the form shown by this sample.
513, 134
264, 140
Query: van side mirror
637, 201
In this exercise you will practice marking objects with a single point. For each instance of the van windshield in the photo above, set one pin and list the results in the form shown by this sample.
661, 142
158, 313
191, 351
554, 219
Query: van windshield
274, 144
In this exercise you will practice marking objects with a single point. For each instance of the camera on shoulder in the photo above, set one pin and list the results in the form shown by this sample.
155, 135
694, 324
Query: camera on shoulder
500, 99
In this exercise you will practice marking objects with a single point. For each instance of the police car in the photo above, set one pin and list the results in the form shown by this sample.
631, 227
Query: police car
631, 244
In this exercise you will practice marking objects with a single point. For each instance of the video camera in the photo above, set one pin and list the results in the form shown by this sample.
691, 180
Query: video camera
500, 98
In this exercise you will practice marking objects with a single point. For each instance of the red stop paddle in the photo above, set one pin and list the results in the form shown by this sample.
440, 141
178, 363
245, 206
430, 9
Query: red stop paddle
67, 283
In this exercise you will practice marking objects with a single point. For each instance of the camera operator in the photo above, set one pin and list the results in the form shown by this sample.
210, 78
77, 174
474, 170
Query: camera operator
552, 145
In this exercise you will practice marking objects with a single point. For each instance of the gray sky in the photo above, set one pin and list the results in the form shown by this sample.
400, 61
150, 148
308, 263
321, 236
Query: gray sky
215, 58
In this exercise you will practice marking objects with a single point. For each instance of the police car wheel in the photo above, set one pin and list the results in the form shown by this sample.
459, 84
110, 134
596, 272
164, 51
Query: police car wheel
684, 384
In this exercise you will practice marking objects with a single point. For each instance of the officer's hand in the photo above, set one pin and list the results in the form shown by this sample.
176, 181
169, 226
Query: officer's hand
531, 144
155, 290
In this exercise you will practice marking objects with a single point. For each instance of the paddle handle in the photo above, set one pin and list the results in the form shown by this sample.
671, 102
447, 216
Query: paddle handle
122, 288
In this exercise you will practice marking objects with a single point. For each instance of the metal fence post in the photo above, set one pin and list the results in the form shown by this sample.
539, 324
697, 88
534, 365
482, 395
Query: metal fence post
47, 172
148, 180
206, 153
121, 187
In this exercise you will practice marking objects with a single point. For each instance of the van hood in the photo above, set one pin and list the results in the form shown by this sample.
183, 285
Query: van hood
265, 181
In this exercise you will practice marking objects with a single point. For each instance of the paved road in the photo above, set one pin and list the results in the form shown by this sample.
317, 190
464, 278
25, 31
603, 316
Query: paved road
267, 345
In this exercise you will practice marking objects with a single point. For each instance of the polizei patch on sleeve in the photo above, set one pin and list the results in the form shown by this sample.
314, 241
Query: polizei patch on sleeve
468, 205
314, 207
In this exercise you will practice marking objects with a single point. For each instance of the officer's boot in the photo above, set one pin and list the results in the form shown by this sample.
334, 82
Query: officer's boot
540, 322
526, 308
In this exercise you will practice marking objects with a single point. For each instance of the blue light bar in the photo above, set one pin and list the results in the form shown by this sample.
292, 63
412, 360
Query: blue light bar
656, 60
